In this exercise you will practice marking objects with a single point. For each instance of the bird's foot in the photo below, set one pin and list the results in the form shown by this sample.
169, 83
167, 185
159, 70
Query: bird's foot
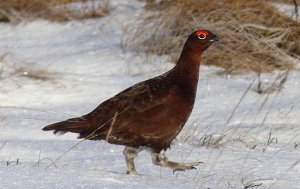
133, 173
162, 160
130, 154
182, 166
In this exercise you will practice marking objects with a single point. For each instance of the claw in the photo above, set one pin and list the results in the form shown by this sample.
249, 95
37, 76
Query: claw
185, 167
179, 169
161, 159
133, 172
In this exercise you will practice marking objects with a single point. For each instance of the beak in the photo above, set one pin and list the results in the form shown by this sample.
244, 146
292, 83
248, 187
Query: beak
214, 39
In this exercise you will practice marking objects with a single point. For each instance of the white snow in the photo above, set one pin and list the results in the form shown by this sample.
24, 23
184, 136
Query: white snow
85, 65
288, 9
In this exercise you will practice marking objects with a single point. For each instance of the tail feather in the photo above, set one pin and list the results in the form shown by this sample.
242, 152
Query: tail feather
74, 125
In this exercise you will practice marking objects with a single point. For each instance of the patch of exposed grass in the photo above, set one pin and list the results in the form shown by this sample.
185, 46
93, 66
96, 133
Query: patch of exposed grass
254, 35
55, 10
15, 71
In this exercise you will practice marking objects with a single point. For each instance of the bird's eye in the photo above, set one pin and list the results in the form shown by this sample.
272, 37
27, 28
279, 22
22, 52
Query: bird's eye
201, 36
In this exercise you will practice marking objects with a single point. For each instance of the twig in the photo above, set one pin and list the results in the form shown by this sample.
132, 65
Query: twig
62, 155
296, 9
273, 100
271, 88
40, 160
270, 140
195, 125
250, 184
52, 162
293, 165
281, 79
1, 72
260, 27
111, 127
285, 145
3, 144
2, 57
90, 136
37, 110
239, 102
10, 162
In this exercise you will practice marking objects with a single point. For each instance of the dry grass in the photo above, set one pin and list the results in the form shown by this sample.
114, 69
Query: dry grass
254, 35
55, 10
14, 70
12, 67
284, 1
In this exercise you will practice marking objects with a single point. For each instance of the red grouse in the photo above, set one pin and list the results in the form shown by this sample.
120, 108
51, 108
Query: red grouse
150, 114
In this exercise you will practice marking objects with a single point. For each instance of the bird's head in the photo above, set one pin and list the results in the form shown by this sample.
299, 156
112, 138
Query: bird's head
200, 40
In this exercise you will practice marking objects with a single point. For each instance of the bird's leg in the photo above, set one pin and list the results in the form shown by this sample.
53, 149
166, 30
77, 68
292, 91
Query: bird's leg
161, 159
130, 153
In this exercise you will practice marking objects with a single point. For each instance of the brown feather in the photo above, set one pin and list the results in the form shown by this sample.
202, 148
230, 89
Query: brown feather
150, 113
74, 125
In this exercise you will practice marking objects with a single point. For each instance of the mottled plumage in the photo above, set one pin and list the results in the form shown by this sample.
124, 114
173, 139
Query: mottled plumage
149, 114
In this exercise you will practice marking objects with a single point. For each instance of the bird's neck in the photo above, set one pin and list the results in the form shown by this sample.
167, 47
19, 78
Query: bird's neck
186, 70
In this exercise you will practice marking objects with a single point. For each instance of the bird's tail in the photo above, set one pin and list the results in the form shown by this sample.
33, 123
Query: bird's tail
74, 125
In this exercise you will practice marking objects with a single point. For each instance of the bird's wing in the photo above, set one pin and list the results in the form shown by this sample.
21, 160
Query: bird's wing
139, 115
148, 98
144, 97
149, 118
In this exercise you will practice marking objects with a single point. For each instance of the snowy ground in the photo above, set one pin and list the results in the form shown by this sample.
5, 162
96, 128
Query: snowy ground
85, 64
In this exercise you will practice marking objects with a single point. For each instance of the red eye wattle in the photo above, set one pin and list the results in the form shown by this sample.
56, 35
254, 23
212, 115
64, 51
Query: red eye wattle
202, 34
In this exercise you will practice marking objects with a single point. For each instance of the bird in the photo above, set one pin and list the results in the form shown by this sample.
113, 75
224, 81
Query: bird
150, 114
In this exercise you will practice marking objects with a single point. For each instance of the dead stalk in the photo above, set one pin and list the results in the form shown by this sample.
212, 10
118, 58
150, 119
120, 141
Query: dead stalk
239, 102
251, 184
90, 136
296, 9
111, 126
270, 140
2, 146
